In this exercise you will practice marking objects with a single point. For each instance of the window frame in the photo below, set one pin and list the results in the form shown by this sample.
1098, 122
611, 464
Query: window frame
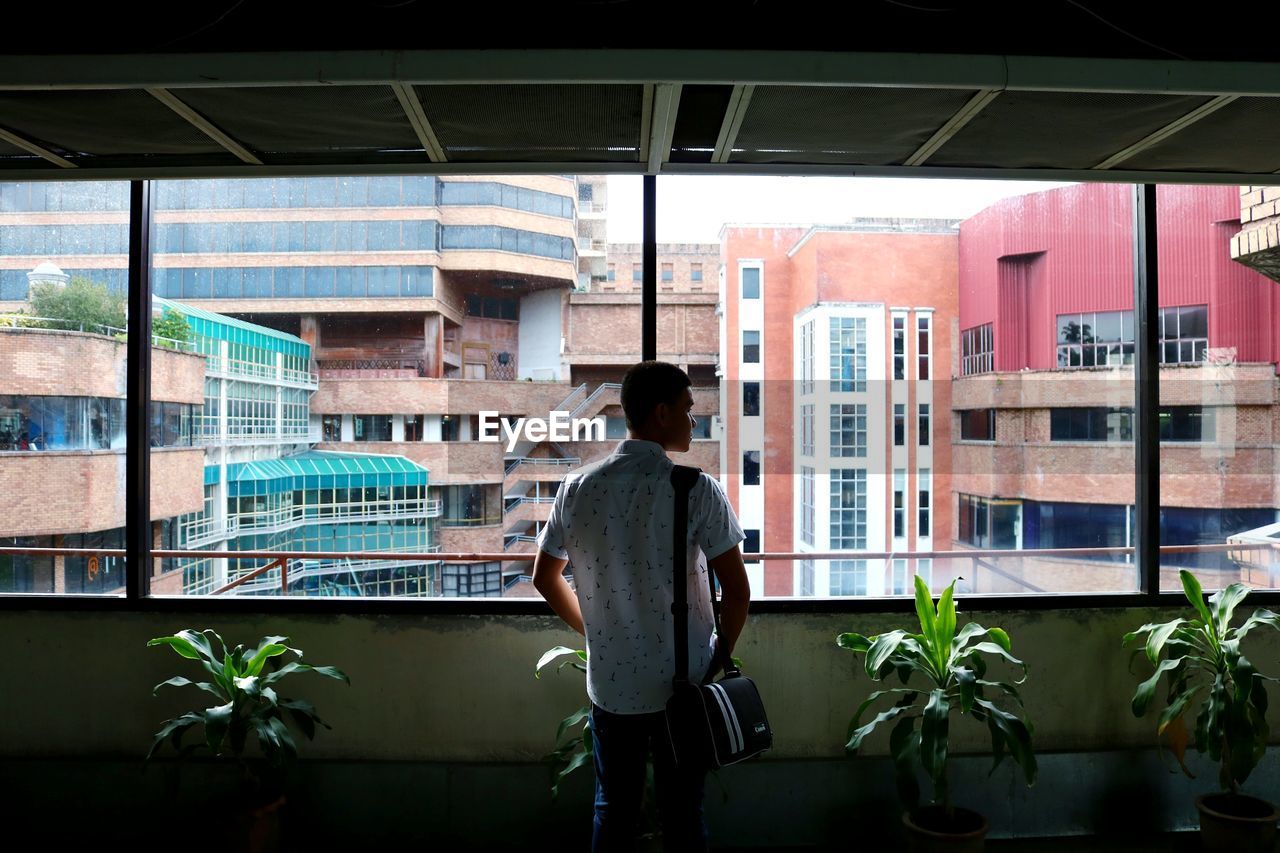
138, 546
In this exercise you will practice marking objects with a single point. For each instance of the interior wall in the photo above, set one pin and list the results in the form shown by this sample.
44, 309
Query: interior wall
451, 701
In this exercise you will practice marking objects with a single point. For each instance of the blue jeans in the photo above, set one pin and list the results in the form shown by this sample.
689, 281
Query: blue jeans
622, 742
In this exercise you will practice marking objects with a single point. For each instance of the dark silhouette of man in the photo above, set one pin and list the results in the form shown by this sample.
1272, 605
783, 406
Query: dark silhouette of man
612, 521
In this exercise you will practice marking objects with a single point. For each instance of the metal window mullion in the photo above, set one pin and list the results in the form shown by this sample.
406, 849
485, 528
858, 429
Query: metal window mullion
138, 396
649, 272
1147, 380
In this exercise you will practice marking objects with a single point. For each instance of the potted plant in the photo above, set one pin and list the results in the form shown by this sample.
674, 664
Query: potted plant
575, 747
1203, 654
950, 672
246, 701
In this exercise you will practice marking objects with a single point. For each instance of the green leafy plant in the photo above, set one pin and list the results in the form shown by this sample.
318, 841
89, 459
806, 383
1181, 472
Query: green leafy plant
79, 303
171, 329
950, 674
244, 684
573, 744
1203, 654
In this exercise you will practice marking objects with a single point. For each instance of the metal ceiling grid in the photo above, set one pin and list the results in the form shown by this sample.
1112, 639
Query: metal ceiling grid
282, 121
1243, 136
536, 123
1060, 130
830, 124
81, 125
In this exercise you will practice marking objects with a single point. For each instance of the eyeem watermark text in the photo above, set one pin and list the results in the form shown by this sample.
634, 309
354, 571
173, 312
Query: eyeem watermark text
558, 428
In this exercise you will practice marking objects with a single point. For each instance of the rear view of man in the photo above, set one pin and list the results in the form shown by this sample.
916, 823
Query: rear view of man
612, 521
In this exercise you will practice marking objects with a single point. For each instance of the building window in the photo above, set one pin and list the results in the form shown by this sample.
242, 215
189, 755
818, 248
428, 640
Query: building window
989, 522
613, 272
924, 342
848, 430
807, 495
331, 427
898, 578
899, 346
751, 542
806, 430
750, 399
413, 427
750, 282
450, 428
978, 425
848, 509
977, 351
1187, 423
806, 577
469, 505
924, 571
695, 272
1095, 339
751, 468
899, 424
750, 347
637, 272
923, 425
806, 358
471, 580
1184, 334
924, 502
668, 272
372, 427
493, 307
899, 503
848, 354
848, 577
1095, 423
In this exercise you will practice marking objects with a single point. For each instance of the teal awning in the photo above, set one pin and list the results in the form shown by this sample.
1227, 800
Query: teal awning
223, 328
320, 469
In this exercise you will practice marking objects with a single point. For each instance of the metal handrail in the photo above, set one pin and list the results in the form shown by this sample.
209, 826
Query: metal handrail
604, 386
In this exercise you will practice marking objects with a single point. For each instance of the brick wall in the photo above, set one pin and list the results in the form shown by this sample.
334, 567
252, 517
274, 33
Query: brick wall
79, 491
1257, 245
682, 256
436, 396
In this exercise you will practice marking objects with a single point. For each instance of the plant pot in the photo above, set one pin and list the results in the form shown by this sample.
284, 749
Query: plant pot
929, 831
1237, 823
255, 828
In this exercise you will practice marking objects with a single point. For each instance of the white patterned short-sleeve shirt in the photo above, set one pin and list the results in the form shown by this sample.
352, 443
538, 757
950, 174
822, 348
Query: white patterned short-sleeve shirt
612, 521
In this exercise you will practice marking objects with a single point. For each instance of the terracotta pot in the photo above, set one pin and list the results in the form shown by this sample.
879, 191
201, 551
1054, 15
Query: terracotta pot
257, 828
1237, 823
928, 831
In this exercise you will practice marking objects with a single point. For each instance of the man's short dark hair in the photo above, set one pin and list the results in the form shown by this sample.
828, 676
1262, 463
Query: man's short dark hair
646, 385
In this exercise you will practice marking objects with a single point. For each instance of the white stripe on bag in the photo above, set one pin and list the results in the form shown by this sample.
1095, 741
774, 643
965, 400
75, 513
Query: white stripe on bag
736, 730
724, 714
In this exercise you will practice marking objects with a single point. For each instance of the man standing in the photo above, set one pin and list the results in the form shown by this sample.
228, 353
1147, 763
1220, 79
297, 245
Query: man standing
612, 520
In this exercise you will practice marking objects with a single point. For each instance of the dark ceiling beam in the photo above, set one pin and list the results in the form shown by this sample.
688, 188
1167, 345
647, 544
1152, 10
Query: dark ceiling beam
637, 67
658, 124
413, 111
734, 113
205, 126
36, 149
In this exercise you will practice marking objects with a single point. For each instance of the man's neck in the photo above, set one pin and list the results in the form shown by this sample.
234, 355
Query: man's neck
631, 436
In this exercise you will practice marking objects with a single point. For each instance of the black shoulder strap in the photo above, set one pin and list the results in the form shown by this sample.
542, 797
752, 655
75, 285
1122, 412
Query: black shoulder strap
683, 479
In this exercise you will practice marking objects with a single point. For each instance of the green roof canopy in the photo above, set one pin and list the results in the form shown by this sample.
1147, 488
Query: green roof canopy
319, 469
221, 327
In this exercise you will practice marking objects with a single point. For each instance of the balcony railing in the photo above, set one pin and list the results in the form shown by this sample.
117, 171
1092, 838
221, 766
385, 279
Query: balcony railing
567, 462
1268, 561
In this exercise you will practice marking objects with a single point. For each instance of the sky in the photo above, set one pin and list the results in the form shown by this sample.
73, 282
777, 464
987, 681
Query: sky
692, 208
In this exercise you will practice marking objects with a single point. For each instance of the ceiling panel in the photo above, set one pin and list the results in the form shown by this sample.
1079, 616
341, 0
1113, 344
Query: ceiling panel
1243, 136
536, 123
1060, 130
831, 124
308, 120
92, 123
